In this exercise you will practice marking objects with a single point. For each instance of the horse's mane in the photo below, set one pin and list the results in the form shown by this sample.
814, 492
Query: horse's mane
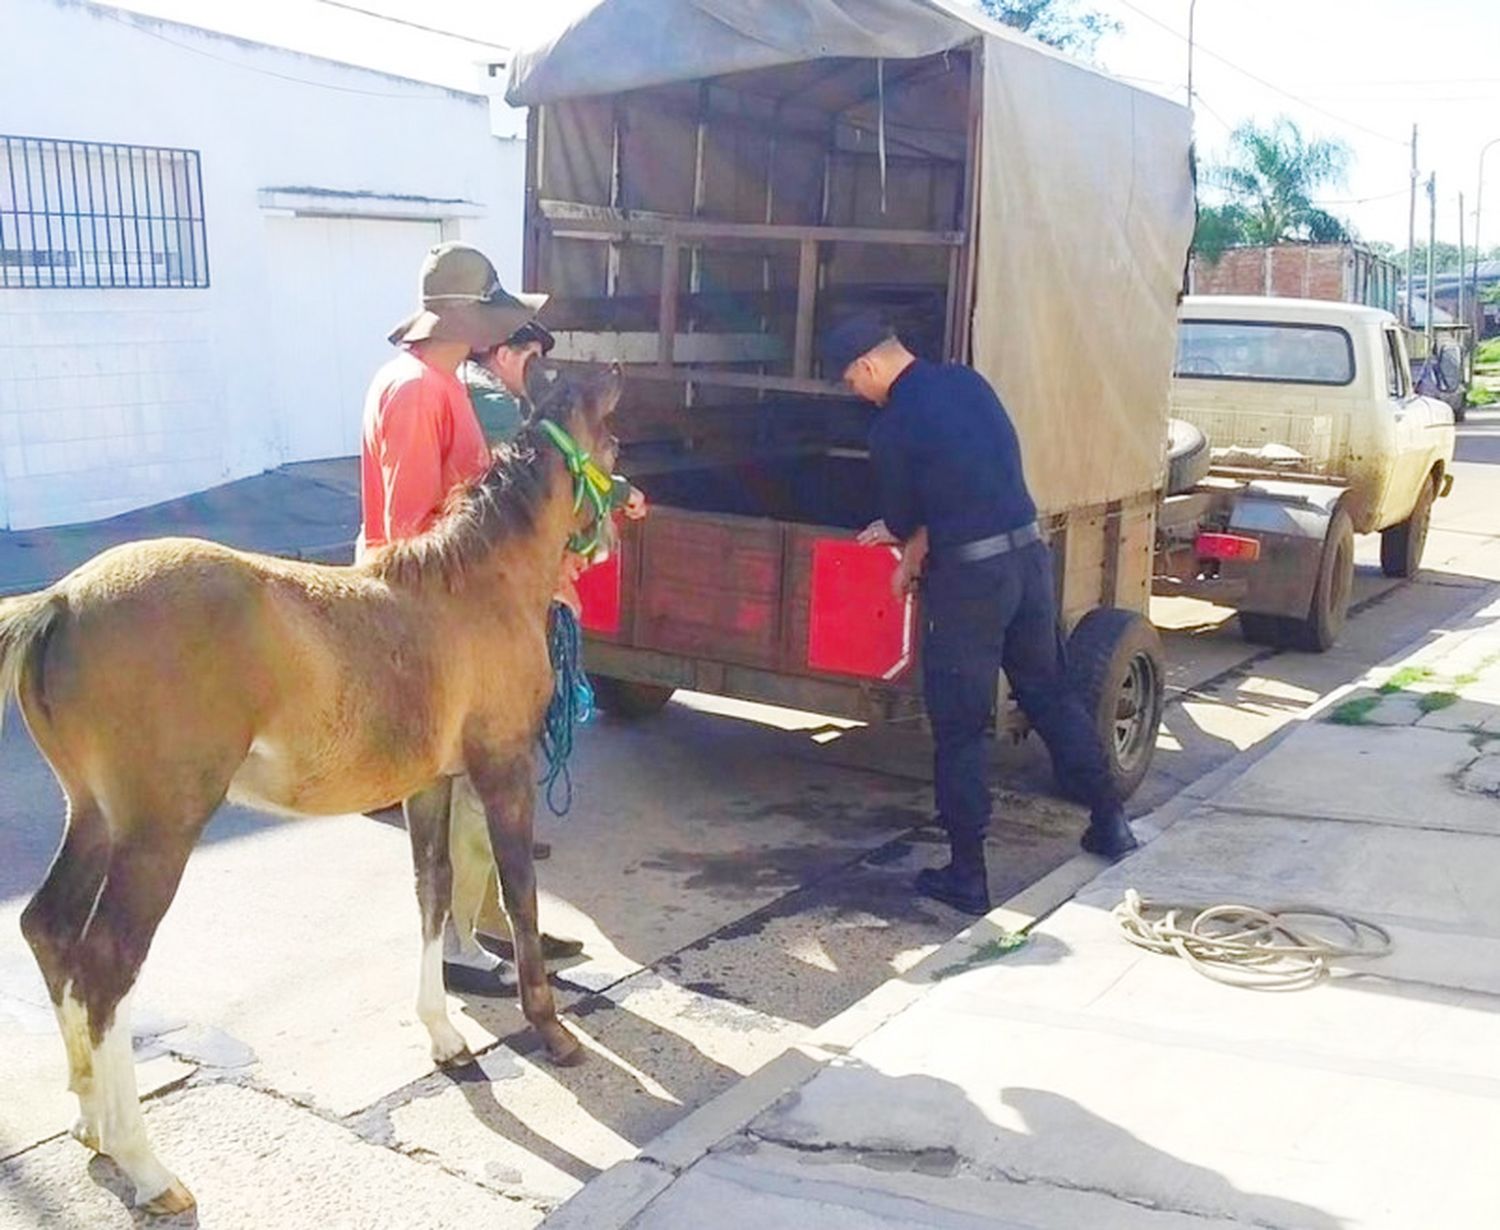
496, 507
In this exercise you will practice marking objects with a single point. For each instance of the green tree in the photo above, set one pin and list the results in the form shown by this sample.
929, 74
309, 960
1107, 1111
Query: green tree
1064, 24
1267, 182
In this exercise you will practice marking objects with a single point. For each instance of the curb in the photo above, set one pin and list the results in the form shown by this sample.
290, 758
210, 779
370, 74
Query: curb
615, 1198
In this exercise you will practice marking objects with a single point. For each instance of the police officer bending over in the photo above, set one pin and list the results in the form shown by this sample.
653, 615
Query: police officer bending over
948, 464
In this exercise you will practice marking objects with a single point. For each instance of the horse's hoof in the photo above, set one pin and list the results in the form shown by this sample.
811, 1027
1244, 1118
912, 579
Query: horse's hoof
570, 1059
84, 1134
564, 1050
459, 1059
175, 1199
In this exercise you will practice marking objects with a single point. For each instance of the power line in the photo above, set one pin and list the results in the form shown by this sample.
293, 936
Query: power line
140, 27
1259, 80
1229, 190
414, 25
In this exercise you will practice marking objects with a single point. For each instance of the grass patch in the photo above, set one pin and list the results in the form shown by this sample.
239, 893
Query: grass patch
990, 950
1355, 712
1405, 678
1488, 352
1433, 702
1470, 677
1479, 395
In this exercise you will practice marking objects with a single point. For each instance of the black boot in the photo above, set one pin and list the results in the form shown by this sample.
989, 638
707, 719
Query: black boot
497, 983
1109, 833
963, 883
554, 947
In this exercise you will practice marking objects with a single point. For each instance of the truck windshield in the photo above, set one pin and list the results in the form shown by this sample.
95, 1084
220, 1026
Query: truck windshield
1254, 350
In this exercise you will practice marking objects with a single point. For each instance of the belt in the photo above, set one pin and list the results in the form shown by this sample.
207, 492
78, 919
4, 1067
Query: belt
995, 544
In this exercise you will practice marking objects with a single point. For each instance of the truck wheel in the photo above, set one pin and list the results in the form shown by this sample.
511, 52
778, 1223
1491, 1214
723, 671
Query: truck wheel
1188, 456
1401, 546
1115, 663
627, 699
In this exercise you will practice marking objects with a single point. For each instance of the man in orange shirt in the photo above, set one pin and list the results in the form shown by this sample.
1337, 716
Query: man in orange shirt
421, 440
421, 436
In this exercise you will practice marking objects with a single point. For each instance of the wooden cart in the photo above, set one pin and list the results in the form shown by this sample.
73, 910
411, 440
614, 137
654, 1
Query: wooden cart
703, 229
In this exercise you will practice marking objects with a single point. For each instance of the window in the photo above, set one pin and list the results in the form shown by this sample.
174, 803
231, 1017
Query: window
1251, 350
93, 214
1395, 378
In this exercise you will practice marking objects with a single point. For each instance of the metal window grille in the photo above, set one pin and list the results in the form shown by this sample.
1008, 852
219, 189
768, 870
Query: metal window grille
98, 214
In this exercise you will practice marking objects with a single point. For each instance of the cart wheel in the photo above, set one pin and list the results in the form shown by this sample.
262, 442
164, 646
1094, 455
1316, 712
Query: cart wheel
628, 699
1402, 545
1115, 663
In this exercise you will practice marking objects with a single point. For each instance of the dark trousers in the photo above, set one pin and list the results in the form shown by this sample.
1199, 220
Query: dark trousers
1000, 613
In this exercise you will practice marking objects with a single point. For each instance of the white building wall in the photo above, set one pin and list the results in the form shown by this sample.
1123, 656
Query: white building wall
114, 399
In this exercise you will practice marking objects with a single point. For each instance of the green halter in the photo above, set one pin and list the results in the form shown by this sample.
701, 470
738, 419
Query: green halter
591, 485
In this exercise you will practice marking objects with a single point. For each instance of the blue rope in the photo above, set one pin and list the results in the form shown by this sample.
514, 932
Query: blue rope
572, 704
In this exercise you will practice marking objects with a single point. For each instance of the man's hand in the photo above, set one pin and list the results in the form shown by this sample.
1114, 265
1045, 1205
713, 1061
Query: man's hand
876, 535
904, 579
635, 504
567, 582
913, 562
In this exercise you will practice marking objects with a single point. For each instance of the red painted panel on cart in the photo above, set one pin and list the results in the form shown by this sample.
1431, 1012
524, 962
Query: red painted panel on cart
599, 588
856, 625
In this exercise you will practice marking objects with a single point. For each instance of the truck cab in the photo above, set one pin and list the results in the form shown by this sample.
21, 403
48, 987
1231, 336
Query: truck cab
1318, 389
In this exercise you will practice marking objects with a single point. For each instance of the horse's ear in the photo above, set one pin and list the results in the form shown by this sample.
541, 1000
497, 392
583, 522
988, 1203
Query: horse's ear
604, 392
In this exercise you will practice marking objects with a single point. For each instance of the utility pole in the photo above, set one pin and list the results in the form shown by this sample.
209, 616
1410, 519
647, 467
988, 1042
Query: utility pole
1192, 11
1463, 313
1411, 224
1431, 253
1478, 215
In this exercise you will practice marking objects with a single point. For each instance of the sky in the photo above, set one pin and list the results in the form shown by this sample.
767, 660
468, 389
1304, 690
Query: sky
1360, 70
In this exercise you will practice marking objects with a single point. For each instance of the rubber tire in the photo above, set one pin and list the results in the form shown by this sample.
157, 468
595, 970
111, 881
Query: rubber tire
1460, 413
1317, 631
1101, 651
1188, 456
1402, 545
628, 699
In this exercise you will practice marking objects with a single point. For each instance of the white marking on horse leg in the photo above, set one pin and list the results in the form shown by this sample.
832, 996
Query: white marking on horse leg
448, 1045
121, 1126
72, 1020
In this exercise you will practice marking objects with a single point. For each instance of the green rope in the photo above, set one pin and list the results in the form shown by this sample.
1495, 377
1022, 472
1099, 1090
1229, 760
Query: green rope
572, 704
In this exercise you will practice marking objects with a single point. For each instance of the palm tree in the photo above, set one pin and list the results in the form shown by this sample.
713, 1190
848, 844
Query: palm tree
1270, 178
1062, 23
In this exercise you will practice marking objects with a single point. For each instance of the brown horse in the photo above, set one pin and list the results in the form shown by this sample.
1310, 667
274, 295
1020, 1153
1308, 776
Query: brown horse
162, 677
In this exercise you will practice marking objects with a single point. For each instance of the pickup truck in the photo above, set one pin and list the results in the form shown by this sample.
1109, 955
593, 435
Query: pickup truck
1311, 432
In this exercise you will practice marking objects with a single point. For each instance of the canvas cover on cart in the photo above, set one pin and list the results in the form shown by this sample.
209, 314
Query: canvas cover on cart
1085, 205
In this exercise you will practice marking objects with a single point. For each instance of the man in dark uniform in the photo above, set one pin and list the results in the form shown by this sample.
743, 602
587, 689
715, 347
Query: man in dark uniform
948, 463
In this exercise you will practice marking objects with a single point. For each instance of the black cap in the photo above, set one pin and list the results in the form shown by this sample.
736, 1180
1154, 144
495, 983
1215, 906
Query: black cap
532, 331
850, 339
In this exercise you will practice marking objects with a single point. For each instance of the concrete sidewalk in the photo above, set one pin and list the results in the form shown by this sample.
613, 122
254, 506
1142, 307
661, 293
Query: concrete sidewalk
309, 510
1081, 1082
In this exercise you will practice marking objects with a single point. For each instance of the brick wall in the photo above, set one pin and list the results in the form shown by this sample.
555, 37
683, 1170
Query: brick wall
1295, 271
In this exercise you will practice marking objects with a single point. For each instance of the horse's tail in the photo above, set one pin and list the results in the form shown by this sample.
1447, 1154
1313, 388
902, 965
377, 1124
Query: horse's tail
25, 623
